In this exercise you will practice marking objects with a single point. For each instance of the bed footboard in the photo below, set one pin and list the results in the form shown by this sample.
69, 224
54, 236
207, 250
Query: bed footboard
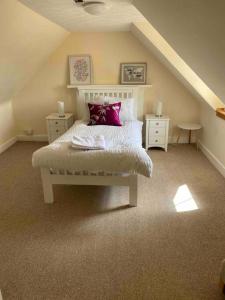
65, 177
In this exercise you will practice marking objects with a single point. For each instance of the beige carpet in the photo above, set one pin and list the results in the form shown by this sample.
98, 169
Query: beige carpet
90, 245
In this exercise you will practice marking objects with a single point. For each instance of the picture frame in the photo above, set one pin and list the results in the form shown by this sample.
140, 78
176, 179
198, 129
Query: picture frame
80, 67
133, 73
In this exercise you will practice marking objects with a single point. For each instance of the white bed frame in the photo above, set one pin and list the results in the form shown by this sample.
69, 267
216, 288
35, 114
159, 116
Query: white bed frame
49, 178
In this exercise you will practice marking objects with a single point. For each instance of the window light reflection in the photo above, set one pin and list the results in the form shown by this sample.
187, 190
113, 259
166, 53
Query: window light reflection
183, 200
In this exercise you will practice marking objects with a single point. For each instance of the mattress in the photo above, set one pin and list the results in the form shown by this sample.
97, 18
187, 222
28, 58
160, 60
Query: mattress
124, 152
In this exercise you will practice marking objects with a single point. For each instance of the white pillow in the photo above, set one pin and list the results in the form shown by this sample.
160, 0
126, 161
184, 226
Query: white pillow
127, 111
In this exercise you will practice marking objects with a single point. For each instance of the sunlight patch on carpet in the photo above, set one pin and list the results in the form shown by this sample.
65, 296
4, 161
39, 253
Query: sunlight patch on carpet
183, 200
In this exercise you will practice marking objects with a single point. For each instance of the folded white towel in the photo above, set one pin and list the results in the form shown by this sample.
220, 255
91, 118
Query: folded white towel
88, 142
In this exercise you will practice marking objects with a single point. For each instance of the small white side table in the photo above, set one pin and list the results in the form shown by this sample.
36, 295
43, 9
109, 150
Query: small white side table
56, 125
190, 127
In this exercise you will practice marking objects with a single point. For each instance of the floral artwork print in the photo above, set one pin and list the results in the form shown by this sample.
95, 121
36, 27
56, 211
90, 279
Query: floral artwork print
80, 69
104, 114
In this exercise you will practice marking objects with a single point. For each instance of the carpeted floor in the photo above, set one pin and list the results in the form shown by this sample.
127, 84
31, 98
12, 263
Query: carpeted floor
90, 245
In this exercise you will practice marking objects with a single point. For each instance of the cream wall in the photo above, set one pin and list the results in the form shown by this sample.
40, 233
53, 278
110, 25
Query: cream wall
213, 133
27, 40
108, 50
7, 125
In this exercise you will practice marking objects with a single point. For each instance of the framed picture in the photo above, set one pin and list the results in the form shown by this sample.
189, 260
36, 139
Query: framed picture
80, 69
133, 73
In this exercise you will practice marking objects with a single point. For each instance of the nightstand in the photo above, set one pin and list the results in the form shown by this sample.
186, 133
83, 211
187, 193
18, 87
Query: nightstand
157, 130
56, 125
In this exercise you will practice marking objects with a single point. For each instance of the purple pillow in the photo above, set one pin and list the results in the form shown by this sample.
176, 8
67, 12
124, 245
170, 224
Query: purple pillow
108, 114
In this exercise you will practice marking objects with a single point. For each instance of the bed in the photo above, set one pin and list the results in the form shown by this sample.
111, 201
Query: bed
118, 165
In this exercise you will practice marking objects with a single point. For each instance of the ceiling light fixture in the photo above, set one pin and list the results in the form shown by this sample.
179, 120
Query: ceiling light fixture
93, 7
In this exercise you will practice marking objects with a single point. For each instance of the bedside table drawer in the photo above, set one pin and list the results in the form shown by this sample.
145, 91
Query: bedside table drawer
56, 123
157, 123
155, 132
57, 130
52, 136
159, 140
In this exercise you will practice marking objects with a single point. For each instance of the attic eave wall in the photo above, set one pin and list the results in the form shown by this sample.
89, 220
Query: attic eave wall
151, 38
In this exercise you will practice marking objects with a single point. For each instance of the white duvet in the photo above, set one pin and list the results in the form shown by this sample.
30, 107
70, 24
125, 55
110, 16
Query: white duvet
123, 154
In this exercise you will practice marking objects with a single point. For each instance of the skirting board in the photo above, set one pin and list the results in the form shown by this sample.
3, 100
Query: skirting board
212, 158
182, 140
23, 138
33, 138
8, 144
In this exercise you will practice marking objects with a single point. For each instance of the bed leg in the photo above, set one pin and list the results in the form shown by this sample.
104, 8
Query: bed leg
47, 186
133, 190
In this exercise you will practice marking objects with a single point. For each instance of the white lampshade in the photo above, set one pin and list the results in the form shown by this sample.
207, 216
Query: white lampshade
61, 109
159, 108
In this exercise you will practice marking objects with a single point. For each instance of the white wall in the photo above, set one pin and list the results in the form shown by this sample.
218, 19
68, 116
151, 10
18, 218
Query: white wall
7, 124
213, 133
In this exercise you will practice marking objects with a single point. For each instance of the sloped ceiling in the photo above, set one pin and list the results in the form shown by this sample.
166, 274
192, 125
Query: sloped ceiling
152, 39
66, 13
27, 39
196, 30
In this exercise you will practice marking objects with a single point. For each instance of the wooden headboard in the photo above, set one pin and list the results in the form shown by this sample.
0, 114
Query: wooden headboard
89, 92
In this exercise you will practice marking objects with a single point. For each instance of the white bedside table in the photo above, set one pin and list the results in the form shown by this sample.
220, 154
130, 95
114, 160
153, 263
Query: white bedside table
157, 130
56, 125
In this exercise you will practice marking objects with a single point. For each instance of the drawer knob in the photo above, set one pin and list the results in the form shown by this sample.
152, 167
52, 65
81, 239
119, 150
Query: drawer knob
57, 130
156, 131
56, 122
157, 123
156, 141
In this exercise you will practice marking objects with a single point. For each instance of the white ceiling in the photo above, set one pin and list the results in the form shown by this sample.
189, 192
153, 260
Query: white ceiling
66, 14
